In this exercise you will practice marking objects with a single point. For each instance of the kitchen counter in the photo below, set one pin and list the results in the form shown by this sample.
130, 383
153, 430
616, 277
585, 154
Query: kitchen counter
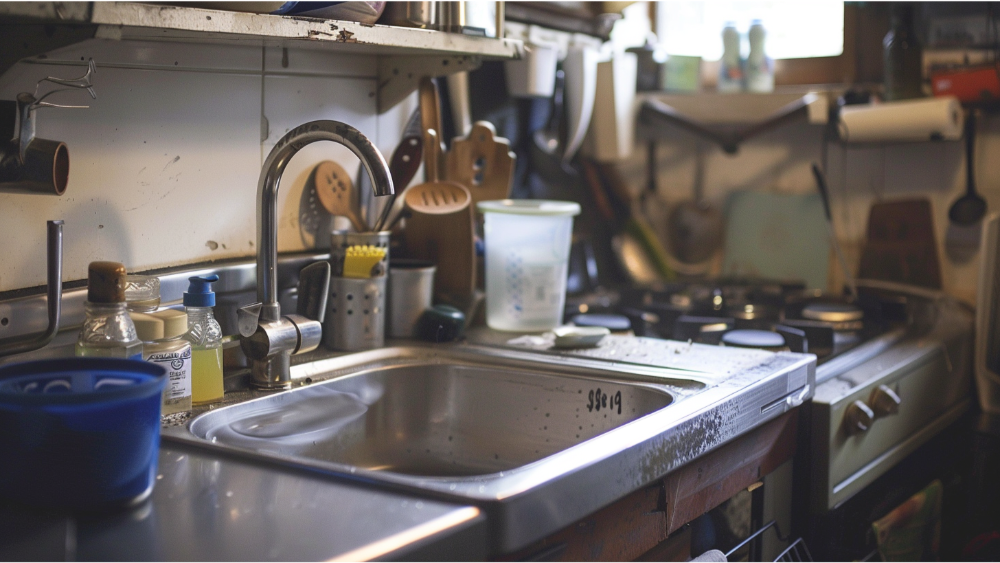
212, 507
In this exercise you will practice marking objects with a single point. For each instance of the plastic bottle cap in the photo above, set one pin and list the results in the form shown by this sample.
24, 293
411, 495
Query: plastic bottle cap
147, 327
168, 323
106, 282
175, 323
199, 293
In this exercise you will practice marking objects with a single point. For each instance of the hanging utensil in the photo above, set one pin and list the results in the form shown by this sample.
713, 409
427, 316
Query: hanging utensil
694, 228
824, 194
403, 166
581, 89
334, 190
970, 208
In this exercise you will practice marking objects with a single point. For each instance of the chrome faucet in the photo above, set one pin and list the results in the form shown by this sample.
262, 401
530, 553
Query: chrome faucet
268, 338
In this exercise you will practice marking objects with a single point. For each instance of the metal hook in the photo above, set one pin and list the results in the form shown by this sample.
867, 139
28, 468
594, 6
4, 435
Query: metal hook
81, 83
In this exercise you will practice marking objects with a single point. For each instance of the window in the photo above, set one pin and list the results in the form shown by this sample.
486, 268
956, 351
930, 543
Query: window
795, 29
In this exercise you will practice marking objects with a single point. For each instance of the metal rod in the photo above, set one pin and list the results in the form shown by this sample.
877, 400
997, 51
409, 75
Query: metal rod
824, 194
54, 254
757, 534
500, 20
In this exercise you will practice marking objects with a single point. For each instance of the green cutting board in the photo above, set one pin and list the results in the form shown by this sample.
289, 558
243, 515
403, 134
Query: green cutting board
777, 236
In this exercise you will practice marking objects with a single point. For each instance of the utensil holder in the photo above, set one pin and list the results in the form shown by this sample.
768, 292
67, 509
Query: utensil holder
355, 314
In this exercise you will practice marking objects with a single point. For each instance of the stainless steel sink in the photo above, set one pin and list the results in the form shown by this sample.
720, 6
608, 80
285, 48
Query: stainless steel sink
518, 433
431, 419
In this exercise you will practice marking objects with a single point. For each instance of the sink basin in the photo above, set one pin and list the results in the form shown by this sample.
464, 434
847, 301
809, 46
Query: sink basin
518, 433
433, 419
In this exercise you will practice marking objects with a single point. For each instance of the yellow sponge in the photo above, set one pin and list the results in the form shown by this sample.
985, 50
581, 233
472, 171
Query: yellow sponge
360, 259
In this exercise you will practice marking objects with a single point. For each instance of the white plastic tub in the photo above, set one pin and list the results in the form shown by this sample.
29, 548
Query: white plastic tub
527, 256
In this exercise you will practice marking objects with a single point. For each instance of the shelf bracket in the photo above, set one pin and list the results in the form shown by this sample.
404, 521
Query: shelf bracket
399, 75
25, 40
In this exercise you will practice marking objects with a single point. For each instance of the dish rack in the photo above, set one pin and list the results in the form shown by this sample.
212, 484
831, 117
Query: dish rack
797, 549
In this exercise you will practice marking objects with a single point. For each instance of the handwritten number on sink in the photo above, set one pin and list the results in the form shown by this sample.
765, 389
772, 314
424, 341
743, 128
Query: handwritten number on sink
598, 400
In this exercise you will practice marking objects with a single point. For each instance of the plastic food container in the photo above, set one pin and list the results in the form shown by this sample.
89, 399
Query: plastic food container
79, 433
527, 256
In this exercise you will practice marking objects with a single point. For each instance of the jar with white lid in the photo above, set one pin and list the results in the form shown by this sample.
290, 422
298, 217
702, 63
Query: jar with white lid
527, 260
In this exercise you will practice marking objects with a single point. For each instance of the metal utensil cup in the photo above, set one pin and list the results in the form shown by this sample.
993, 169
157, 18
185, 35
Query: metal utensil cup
355, 314
411, 290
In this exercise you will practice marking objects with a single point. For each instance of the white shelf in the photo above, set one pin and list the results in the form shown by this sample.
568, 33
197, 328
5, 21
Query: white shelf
406, 54
128, 20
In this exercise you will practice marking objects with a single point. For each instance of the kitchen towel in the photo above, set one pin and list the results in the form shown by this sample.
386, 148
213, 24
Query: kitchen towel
928, 119
711, 556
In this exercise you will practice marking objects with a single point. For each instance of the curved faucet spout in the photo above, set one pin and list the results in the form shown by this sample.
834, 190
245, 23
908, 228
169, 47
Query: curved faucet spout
267, 192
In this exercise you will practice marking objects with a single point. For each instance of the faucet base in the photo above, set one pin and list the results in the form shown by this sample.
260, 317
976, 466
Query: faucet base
272, 373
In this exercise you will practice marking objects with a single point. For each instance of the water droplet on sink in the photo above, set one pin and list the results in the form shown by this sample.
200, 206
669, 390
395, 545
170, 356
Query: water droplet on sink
229, 493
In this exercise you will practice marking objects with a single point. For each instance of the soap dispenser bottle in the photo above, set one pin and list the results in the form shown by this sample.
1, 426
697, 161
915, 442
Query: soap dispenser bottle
205, 336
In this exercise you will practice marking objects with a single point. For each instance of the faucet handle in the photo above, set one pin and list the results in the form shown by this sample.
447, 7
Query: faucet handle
314, 288
247, 318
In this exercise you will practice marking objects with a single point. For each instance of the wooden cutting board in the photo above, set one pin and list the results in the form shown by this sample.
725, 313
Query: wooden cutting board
482, 162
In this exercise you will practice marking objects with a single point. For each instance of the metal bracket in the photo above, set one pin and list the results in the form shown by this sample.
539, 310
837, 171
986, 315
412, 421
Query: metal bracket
25, 40
399, 76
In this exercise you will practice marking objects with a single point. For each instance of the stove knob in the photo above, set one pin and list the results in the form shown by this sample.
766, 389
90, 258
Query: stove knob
858, 418
884, 401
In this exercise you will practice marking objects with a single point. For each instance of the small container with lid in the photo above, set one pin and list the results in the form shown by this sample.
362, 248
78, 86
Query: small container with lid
142, 293
163, 343
527, 260
107, 330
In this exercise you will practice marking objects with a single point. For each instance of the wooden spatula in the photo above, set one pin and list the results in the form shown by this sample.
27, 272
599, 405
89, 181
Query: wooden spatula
440, 229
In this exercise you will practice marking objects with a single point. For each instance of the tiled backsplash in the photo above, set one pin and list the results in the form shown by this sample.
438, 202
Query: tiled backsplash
164, 164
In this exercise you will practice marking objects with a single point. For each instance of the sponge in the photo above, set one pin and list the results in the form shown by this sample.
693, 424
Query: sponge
360, 259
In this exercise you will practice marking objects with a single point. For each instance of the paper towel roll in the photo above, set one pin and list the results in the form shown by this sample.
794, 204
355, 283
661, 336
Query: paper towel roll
929, 119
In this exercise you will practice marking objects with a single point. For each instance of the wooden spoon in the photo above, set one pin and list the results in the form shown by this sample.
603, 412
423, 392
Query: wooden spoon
334, 189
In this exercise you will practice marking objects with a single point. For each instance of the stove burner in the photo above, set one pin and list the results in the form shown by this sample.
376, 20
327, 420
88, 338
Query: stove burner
704, 330
842, 316
762, 339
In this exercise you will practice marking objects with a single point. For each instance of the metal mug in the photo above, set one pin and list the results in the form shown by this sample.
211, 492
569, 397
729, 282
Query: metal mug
411, 288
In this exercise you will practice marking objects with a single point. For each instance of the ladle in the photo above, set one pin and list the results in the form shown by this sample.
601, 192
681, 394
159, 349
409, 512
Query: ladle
970, 208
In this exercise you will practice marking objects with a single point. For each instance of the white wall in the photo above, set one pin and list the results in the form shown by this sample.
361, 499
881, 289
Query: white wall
164, 164
779, 161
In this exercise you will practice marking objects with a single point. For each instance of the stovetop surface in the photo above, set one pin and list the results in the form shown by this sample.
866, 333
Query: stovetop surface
721, 312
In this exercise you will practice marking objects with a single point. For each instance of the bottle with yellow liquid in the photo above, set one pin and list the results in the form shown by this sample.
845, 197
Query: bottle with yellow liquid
205, 336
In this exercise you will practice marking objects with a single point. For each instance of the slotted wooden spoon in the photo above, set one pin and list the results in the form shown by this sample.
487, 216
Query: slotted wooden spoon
334, 190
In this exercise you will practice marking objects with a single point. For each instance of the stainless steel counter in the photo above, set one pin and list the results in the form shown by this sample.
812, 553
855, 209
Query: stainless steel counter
211, 507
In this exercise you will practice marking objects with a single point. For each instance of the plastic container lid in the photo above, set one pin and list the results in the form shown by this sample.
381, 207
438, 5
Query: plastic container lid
158, 325
542, 207
199, 293
106, 282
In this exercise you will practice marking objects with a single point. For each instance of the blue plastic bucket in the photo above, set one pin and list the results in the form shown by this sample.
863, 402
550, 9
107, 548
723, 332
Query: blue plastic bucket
79, 433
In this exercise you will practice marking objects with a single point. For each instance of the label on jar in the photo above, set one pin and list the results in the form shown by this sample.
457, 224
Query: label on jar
178, 366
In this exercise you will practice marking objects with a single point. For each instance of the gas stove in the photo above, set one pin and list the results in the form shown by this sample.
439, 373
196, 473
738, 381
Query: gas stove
747, 313
893, 366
